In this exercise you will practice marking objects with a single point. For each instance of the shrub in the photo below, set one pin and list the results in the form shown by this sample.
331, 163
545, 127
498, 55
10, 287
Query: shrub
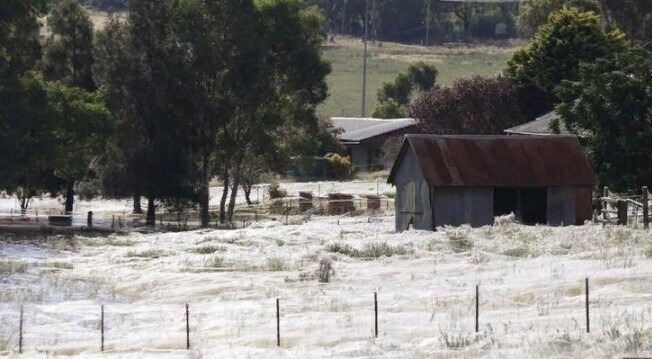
648, 253
338, 167
207, 249
150, 253
276, 265
215, 262
325, 270
8, 267
521, 252
275, 191
370, 250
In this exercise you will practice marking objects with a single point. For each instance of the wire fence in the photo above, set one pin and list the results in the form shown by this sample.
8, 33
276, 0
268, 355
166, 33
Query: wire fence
288, 210
456, 318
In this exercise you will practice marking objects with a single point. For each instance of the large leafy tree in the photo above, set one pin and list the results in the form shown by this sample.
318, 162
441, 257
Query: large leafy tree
68, 58
535, 13
25, 142
81, 123
255, 68
610, 104
69, 49
142, 68
476, 105
395, 96
569, 38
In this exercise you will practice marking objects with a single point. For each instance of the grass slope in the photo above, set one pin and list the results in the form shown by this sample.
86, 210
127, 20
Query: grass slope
386, 60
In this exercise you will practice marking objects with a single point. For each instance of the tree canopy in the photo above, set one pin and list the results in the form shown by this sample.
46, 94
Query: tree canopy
568, 39
610, 104
476, 105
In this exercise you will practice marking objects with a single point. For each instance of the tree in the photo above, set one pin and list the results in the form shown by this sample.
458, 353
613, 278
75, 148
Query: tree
142, 68
80, 124
69, 49
68, 58
27, 143
294, 80
394, 96
535, 13
610, 104
476, 105
569, 38
119, 168
634, 17
389, 108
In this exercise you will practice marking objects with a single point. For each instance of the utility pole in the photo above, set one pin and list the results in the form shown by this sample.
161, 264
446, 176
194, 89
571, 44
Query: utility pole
374, 22
428, 25
364, 66
342, 28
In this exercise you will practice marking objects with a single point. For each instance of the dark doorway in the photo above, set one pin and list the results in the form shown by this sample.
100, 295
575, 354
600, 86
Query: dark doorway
534, 205
505, 201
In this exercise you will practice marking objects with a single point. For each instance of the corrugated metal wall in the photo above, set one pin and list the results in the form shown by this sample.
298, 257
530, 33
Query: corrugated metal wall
456, 206
561, 205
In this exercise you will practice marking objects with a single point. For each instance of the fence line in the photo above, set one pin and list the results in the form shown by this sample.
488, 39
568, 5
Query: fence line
288, 318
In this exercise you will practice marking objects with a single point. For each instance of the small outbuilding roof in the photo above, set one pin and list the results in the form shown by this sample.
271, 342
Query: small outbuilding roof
498, 161
540, 126
355, 130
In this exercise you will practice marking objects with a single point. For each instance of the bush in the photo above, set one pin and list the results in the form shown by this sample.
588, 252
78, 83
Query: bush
370, 250
338, 167
275, 191
325, 270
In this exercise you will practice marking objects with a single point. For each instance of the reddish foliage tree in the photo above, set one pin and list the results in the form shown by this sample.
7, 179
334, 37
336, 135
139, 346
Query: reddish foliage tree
476, 105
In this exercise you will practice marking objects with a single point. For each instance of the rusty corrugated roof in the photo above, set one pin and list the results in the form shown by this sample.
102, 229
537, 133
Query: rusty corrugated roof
499, 161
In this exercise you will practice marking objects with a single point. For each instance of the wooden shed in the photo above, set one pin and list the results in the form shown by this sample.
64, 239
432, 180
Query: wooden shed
454, 180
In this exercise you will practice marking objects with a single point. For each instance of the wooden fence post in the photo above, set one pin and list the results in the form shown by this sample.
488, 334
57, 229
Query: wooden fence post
605, 194
187, 327
477, 308
20, 331
622, 212
587, 304
102, 327
376, 314
646, 213
278, 323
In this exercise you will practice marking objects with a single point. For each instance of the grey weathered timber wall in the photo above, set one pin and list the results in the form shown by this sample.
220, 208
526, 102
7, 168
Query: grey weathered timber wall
456, 206
412, 196
561, 206
413, 204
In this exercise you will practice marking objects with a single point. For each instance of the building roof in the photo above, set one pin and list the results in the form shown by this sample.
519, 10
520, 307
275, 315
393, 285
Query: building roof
498, 161
355, 130
540, 126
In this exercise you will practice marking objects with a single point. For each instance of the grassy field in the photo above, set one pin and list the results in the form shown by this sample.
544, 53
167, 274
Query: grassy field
386, 60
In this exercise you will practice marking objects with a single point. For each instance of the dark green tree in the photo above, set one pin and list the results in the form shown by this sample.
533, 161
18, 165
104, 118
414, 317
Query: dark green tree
634, 17
610, 104
25, 138
143, 70
535, 13
394, 97
69, 49
569, 38
80, 128
27, 143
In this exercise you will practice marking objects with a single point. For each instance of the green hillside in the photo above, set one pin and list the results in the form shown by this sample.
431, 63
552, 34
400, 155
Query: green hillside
387, 59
